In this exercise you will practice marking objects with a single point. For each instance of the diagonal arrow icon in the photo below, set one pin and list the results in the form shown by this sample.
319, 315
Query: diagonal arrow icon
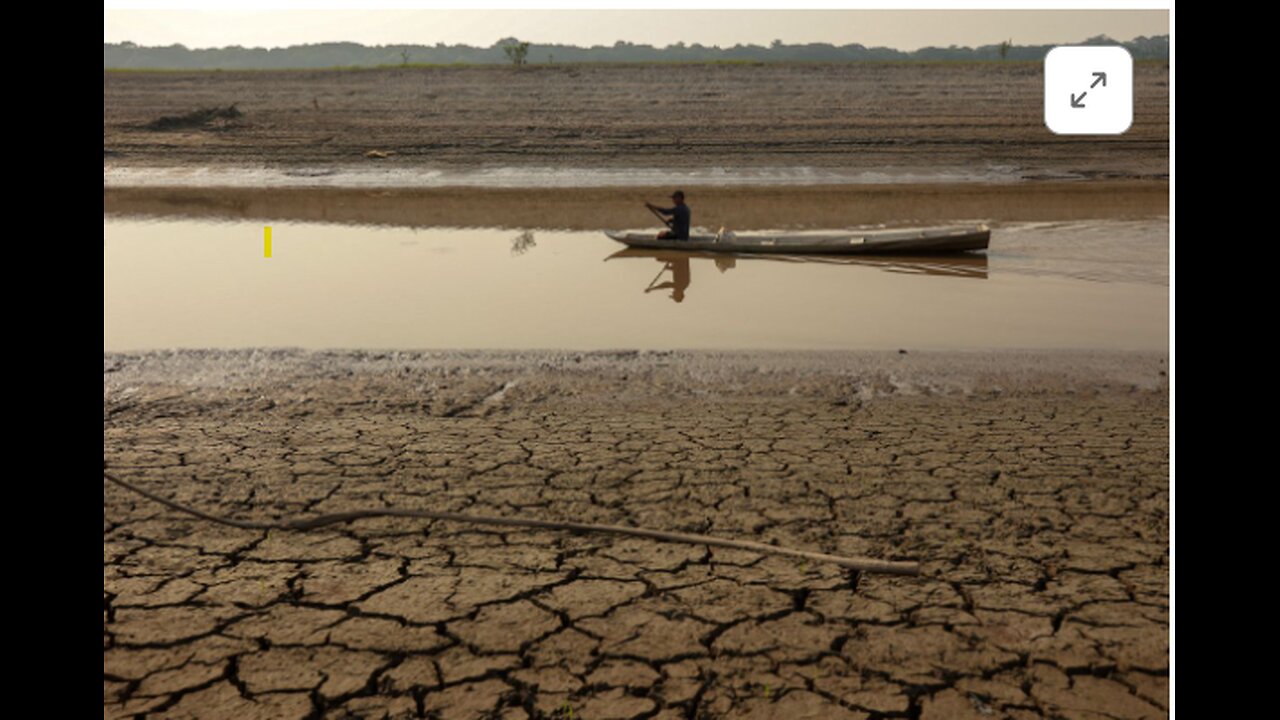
1097, 81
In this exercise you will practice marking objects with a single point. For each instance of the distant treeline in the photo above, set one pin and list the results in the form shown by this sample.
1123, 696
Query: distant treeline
127, 55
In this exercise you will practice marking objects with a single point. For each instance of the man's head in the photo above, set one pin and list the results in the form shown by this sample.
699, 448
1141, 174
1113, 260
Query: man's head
678, 196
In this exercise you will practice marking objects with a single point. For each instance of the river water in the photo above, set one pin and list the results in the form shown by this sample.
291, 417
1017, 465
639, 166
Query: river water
188, 283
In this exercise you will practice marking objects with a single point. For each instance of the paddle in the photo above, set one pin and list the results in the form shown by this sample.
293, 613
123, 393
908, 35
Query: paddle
659, 215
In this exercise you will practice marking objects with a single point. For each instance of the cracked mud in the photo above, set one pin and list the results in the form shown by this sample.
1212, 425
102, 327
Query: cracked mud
1033, 488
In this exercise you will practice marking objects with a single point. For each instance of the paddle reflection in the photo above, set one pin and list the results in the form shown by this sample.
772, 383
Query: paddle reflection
679, 282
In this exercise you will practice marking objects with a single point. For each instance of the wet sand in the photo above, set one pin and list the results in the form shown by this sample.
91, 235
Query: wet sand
1033, 487
979, 120
596, 208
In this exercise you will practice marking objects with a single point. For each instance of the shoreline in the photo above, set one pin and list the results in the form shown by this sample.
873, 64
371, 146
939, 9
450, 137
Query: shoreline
389, 176
590, 208
688, 373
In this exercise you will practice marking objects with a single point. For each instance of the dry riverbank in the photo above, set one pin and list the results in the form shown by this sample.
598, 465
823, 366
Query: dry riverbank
1033, 487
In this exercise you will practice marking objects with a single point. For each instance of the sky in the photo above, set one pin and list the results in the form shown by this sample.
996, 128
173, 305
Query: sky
901, 29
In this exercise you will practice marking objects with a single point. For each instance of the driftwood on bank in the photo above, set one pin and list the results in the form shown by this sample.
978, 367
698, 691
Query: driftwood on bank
859, 564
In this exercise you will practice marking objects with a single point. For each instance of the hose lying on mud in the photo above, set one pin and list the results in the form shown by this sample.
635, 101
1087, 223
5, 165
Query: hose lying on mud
893, 567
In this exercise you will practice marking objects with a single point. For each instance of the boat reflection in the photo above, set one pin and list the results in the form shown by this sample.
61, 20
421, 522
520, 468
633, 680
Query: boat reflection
676, 274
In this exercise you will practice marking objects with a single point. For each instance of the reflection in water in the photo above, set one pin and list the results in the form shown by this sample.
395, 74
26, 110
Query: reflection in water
523, 243
679, 282
677, 263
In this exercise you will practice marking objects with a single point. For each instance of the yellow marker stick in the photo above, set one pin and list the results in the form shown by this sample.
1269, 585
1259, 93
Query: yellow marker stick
266, 241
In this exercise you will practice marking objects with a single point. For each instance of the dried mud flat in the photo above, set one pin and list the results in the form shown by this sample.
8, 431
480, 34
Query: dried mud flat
1033, 488
858, 117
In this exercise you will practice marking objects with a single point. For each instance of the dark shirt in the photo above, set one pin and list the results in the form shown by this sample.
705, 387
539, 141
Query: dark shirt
679, 221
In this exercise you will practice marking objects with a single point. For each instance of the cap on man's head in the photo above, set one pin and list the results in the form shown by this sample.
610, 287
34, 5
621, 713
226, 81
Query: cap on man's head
678, 194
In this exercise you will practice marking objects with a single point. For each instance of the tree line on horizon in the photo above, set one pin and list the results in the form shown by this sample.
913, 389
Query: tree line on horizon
127, 55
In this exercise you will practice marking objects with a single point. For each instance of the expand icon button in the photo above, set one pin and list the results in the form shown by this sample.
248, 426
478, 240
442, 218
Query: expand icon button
1088, 90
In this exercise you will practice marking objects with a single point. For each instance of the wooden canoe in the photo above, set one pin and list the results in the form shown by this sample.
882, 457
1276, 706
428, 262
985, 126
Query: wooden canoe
901, 241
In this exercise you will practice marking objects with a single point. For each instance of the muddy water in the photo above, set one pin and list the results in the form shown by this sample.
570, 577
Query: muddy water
201, 283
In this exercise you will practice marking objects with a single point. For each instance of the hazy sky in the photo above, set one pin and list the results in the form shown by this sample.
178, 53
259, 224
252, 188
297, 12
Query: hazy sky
902, 29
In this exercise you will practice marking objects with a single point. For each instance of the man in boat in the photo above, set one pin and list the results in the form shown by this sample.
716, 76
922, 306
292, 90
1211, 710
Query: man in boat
679, 218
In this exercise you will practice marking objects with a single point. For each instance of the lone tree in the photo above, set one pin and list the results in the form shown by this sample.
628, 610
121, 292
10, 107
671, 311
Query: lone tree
516, 52
1004, 48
